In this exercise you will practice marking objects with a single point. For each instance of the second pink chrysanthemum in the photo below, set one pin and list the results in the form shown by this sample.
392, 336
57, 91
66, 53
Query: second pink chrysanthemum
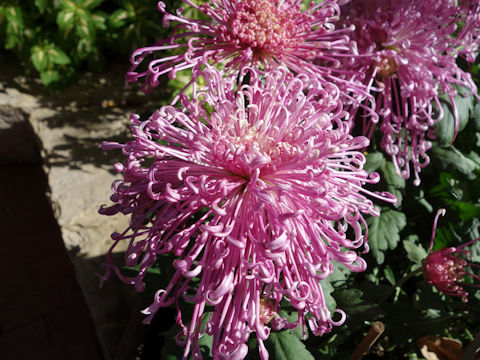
258, 33
410, 48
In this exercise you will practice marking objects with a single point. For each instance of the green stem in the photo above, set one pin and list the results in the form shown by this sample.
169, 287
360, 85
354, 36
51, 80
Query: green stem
400, 282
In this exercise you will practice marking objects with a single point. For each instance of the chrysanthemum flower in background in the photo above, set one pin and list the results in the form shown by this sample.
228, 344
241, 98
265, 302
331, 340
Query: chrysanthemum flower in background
447, 268
254, 191
257, 33
410, 48
468, 36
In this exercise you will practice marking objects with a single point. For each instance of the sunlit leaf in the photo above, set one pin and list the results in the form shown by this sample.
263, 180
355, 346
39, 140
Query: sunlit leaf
65, 20
118, 18
39, 58
57, 56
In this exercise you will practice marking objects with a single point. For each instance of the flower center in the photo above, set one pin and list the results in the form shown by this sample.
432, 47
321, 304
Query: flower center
386, 67
257, 145
264, 25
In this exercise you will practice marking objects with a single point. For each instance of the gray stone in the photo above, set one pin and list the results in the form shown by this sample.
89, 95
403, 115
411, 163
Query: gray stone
68, 127
18, 142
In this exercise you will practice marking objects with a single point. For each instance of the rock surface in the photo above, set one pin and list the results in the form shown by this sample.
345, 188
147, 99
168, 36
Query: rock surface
69, 126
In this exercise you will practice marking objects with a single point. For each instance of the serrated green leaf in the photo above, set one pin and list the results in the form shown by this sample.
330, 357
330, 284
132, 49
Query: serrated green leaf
287, 346
39, 58
395, 183
384, 232
50, 76
118, 18
327, 290
348, 297
57, 56
415, 251
445, 128
374, 161
66, 20
450, 157
41, 5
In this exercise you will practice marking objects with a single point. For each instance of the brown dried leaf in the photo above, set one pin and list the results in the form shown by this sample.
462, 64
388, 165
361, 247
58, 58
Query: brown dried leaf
440, 348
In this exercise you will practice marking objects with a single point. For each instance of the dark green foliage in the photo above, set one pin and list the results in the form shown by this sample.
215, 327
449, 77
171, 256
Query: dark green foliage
57, 38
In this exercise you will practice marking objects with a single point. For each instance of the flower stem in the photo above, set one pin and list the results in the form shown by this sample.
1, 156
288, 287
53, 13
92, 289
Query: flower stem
400, 282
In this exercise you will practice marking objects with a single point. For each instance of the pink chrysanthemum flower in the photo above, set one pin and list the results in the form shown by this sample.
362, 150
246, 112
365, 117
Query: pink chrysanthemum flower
254, 191
257, 33
410, 49
469, 35
447, 268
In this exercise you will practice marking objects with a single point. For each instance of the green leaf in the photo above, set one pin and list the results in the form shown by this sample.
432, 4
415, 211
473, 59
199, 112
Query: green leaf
384, 232
66, 20
57, 56
374, 161
14, 14
287, 346
118, 18
415, 251
388, 272
85, 26
100, 20
12, 35
348, 297
91, 4
50, 76
15, 28
327, 289
41, 5
476, 116
84, 48
395, 183
67, 4
466, 210
445, 128
450, 157
291, 317
39, 58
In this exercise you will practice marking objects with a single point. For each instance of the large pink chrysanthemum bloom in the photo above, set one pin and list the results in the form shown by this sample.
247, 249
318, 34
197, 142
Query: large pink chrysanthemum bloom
254, 191
257, 33
410, 48
446, 268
